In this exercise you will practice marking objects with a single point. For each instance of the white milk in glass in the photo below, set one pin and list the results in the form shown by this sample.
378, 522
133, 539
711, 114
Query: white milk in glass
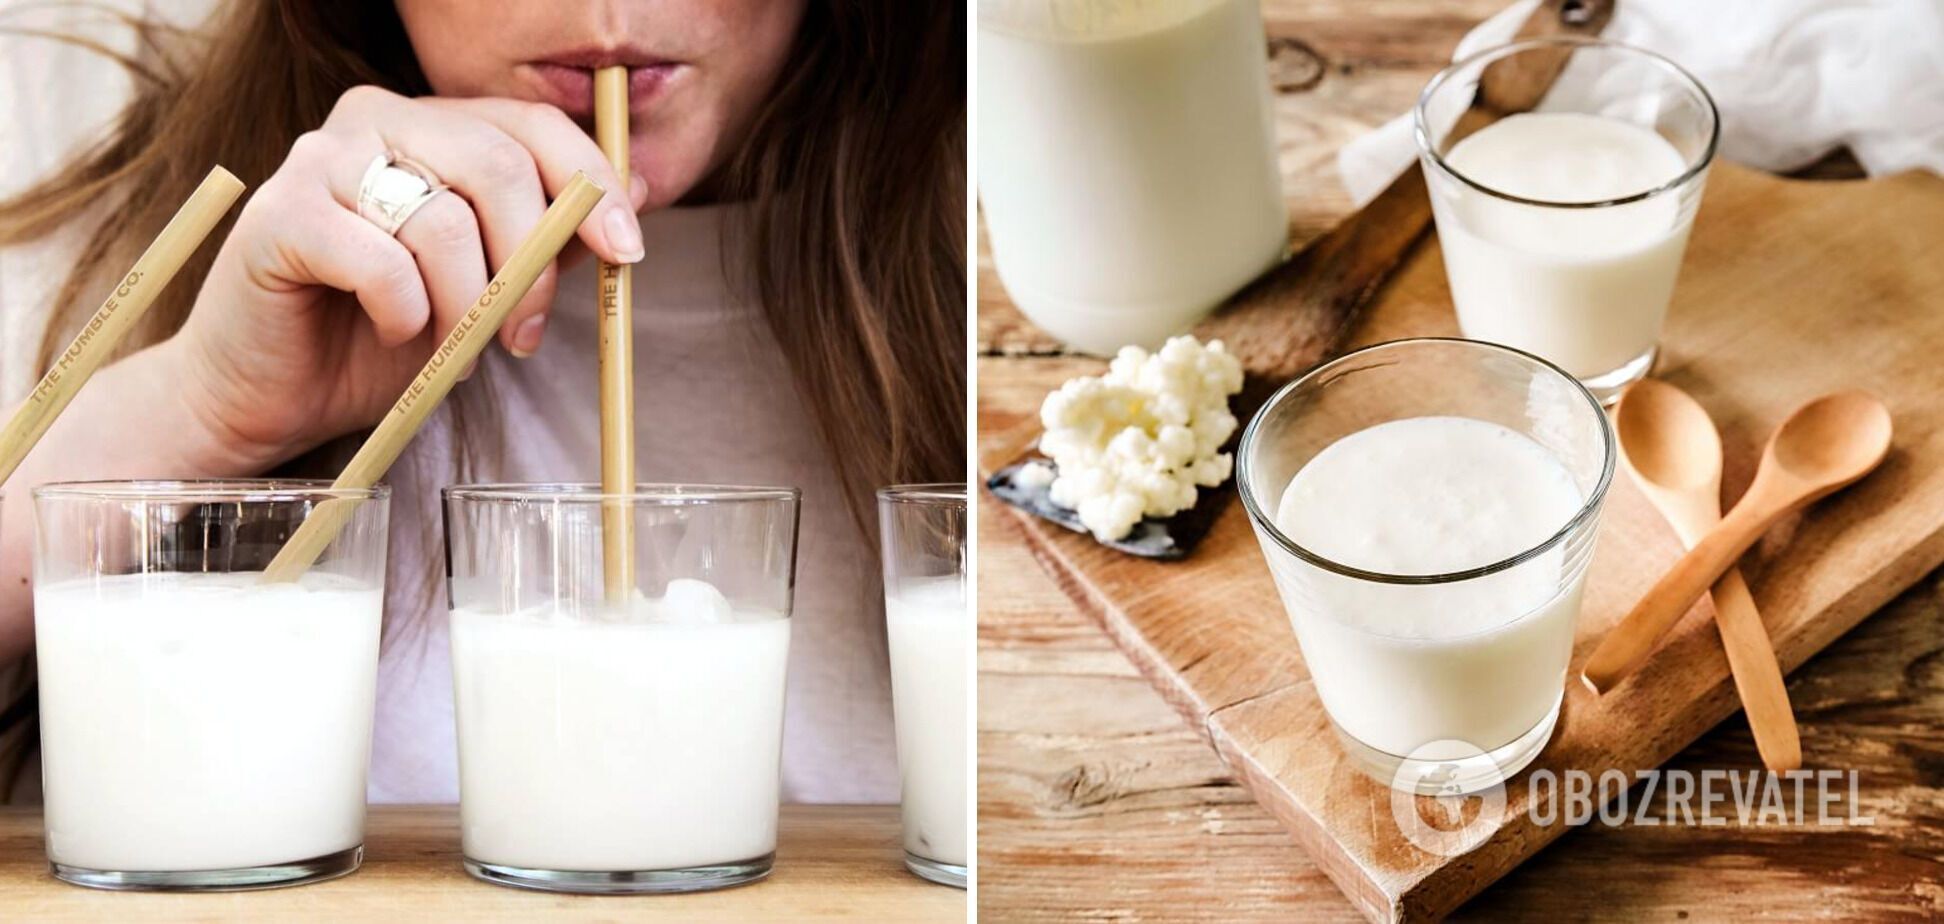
1586, 288
1127, 166
636, 739
204, 721
1481, 661
928, 629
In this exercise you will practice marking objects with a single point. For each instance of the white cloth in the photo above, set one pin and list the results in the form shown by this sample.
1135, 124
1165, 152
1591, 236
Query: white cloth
1793, 80
714, 402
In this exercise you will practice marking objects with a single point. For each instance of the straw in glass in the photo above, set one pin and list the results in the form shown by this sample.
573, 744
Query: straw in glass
131, 299
467, 340
616, 341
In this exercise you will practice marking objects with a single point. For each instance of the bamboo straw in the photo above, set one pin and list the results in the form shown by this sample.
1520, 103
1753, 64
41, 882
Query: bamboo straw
616, 339
125, 305
467, 340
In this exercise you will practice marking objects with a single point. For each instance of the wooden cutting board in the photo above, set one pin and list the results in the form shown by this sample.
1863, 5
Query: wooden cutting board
1790, 289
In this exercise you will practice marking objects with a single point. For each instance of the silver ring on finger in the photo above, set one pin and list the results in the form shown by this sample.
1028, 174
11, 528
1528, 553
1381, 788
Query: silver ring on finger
394, 187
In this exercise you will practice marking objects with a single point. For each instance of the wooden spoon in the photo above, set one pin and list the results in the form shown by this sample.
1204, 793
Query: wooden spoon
1674, 452
1825, 445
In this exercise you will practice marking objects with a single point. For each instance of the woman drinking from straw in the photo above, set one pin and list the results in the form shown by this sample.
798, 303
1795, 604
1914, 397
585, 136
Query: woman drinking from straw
795, 220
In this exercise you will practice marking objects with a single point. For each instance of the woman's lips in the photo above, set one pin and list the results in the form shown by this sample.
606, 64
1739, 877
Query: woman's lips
571, 86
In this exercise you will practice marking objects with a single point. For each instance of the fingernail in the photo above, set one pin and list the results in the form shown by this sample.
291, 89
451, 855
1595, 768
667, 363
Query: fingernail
624, 234
526, 337
637, 188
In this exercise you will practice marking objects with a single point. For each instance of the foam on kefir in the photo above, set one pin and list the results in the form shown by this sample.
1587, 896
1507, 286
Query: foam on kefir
635, 738
1586, 288
1396, 665
929, 628
204, 721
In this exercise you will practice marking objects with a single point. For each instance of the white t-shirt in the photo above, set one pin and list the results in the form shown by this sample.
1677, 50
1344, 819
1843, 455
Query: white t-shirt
714, 402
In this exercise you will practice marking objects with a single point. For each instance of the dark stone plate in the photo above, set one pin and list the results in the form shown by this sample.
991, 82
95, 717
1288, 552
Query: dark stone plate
1169, 539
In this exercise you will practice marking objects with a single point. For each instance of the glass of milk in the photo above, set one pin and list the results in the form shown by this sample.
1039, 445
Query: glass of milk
1127, 163
1563, 228
930, 634
1427, 509
619, 746
200, 729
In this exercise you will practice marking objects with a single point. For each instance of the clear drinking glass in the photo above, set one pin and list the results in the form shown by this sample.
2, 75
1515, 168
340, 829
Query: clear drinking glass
926, 621
1431, 711
200, 729
620, 746
1581, 279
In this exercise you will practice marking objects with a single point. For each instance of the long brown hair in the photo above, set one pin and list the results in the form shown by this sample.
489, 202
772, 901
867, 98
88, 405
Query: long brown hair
855, 174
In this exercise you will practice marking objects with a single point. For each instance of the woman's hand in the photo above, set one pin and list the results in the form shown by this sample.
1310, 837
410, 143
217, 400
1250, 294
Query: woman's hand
313, 319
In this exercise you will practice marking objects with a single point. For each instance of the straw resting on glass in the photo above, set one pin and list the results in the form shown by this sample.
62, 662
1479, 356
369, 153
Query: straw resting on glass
467, 340
125, 305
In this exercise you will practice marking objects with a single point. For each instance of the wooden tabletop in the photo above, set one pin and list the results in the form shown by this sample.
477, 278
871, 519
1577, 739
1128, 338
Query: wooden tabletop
1097, 802
832, 863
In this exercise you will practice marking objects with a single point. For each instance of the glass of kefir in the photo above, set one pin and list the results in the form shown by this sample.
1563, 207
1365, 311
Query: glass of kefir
1427, 509
930, 634
1127, 164
1563, 228
202, 729
618, 746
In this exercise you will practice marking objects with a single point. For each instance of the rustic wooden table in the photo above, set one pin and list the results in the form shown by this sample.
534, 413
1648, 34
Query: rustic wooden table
832, 863
1096, 802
